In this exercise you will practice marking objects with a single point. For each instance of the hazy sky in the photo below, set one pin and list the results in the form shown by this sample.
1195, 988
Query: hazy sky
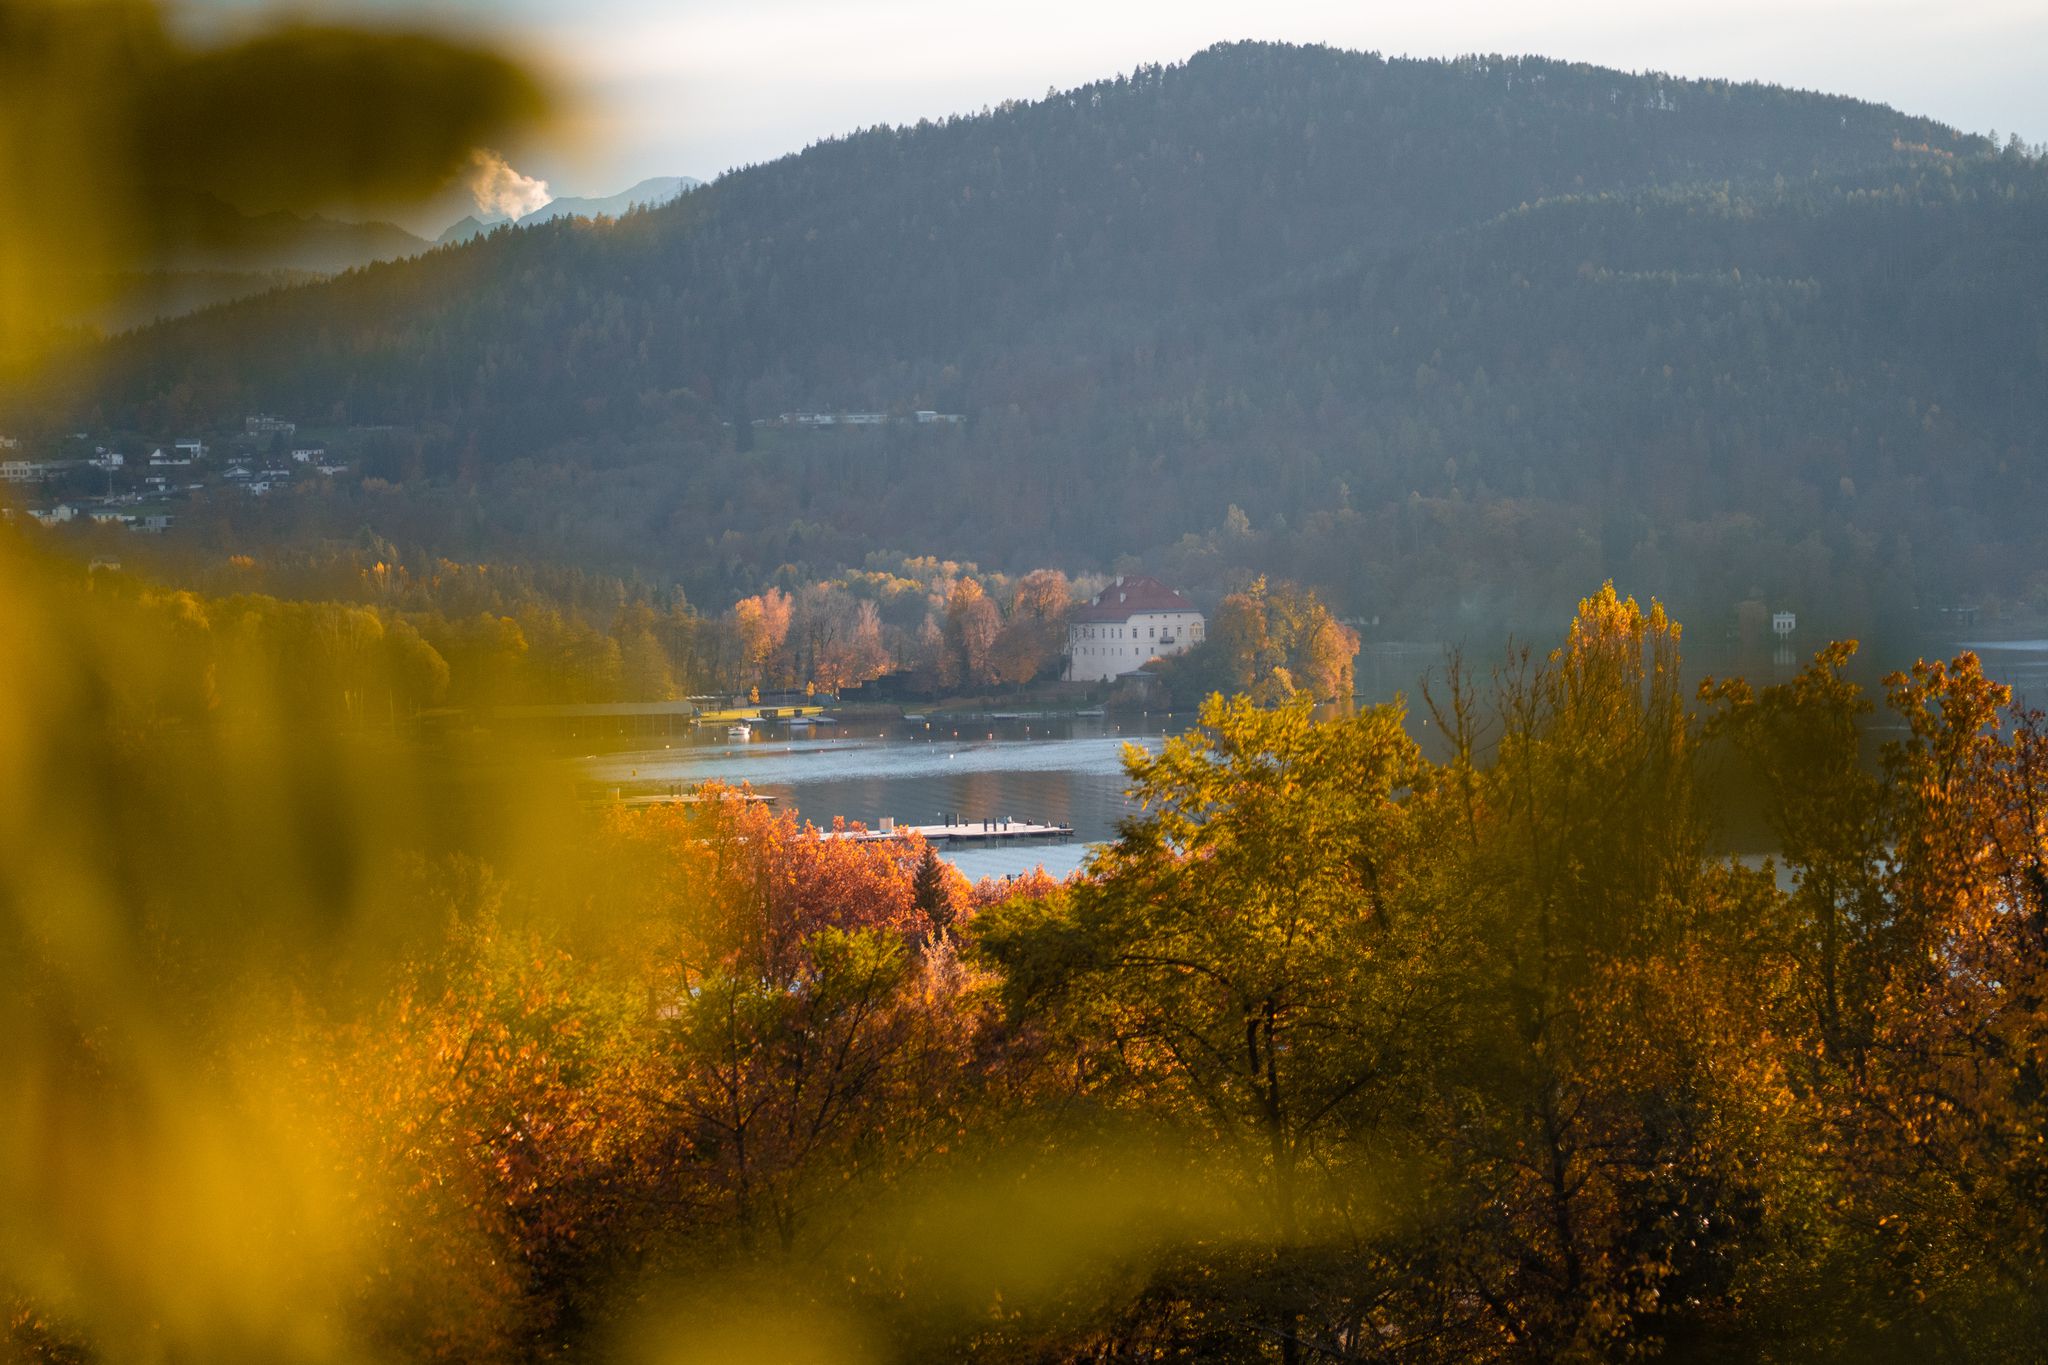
699, 86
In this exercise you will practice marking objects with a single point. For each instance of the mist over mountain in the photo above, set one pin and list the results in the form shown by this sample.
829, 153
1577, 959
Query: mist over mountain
1449, 340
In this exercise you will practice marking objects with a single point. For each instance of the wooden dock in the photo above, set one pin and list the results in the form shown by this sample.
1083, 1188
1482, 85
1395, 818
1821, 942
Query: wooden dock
646, 793
967, 832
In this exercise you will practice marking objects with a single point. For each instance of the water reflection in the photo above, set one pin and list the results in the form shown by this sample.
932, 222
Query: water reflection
1040, 770
1031, 767
2021, 663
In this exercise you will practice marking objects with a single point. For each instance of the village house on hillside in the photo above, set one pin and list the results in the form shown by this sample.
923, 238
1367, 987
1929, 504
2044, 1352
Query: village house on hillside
1131, 622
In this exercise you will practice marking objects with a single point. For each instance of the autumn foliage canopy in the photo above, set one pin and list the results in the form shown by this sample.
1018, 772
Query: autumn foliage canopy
329, 1047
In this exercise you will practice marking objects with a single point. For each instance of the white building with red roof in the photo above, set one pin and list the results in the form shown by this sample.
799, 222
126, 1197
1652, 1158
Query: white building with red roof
1131, 622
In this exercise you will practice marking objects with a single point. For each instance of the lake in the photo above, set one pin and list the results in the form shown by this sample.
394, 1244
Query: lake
1037, 768
1032, 767
2022, 663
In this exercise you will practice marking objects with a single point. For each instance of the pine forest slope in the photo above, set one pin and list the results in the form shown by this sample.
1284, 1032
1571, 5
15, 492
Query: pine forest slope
1455, 336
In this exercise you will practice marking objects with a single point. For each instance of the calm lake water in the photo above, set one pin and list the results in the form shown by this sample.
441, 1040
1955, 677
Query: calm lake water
1034, 768
1041, 769
2022, 663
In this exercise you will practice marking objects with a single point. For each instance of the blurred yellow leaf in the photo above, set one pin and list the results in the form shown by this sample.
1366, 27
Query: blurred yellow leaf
120, 142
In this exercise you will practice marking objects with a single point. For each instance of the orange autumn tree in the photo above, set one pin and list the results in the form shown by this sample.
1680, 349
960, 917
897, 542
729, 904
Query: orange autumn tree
1916, 927
972, 626
1955, 1093
762, 624
1268, 642
496, 1130
1252, 965
808, 1039
1592, 1107
715, 1042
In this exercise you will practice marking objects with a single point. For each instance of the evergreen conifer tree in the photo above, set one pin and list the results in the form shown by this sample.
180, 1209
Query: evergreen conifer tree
931, 895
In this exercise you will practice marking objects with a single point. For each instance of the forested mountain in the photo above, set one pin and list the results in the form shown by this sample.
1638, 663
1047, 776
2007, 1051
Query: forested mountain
217, 236
209, 252
1440, 337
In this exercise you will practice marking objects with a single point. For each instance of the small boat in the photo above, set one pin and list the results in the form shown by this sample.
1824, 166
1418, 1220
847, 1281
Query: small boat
800, 722
739, 731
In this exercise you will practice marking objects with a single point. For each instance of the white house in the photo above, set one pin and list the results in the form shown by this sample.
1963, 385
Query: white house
1783, 623
1131, 622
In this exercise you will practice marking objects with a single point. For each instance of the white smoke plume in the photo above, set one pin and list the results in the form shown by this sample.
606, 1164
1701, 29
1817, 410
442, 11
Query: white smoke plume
500, 190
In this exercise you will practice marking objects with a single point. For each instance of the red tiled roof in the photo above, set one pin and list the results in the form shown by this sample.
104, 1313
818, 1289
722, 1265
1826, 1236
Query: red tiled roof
1130, 596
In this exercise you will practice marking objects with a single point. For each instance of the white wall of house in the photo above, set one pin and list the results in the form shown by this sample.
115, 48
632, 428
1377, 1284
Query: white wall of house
1100, 650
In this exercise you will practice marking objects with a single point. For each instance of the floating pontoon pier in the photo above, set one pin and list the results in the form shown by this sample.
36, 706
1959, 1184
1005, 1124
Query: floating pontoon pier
963, 832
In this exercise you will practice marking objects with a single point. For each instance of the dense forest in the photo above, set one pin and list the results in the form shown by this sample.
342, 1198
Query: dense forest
366, 637
326, 1047
367, 640
1442, 340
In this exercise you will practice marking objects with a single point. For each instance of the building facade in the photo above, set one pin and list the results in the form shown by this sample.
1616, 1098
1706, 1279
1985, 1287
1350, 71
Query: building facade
1130, 623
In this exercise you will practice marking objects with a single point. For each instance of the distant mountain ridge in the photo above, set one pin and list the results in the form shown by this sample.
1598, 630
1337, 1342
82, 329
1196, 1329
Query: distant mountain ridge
1445, 333
648, 193
218, 236
224, 253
